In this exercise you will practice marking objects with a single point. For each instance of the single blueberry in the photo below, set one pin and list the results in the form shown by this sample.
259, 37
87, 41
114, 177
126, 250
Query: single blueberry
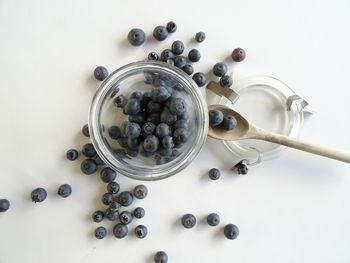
108, 175
114, 132
213, 219
153, 56
188, 69
181, 135
111, 214
148, 129
166, 54
121, 153
120, 101
115, 206
38, 195
64, 190
180, 61
120, 231
214, 174
146, 98
136, 37
171, 27
220, 69
177, 106
132, 130
100, 73
4, 205
215, 117
141, 231
132, 152
123, 142
99, 161
133, 143
226, 81
154, 107
143, 152
139, 212
229, 123
188, 220
85, 130
136, 95
167, 142
238, 54
241, 168
160, 33
88, 166
150, 144
194, 55
107, 198
160, 94
165, 152
162, 130
72, 154
125, 217
98, 216
180, 124
167, 117
200, 37
88, 150
100, 232
125, 198
200, 79
132, 107
231, 231
140, 191
161, 257
177, 47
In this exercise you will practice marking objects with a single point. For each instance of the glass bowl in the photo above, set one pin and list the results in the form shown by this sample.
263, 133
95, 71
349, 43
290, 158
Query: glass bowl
138, 76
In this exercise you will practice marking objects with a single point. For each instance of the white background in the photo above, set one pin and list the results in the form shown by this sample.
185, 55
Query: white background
292, 209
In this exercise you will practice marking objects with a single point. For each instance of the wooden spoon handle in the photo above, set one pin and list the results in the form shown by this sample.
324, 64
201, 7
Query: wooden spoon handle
302, 145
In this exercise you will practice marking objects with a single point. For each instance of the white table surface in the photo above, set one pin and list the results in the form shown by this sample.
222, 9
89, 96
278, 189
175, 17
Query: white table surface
292, 209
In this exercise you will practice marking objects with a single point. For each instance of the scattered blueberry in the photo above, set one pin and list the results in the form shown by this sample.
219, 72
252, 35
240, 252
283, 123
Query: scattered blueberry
231, 231
200, 79
98, 216
140, 191
160, 33
132, 107
200, 37
166, 54
160, 257
38, 195
125, 217
108, 175
136, 37
151, 143
88, 166
64, 190
72, 154
241, 168
180, 135
85, 130
167, 117
125, 198
153, 56
167, 142
171, 27
214, 174
238, 54
160, 94
188, 220
213, 219
100, 232
226, 81
107, 198
120, 230
114, 132
4, 205
139, 212
88, 150
229, 123
215, 117
188, 69
120, 101
177, 47
111, 214
141, 231
180, 61
100, 73
99, 161
115, 206
194, 55
220, 69
162, 130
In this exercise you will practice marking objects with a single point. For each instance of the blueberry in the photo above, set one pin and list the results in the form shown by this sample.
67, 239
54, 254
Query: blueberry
123, 142
120, 231
136, 95
231, 231
38, 195
125, 198
153, 56
111, 214
4, 205
214, 174
241, 168
177, 106
64, 190
167, 142
200, 37
162, 130
160, 94
98, 216
188, 69
177, 47
162, 160
132, 152
139, 212
226, 81
143, 152
88, 166
170, 61
166, 54
120, 101
115, 206
154, 107
140, 191
188, 220
141, 231
200, 79
114, 132
100, 73
121, 153
165, 152
215, 117
176, 153
213, 219
99, 161
132, 107
148, 128
132, 130
160, 257
146, 98
238, 54
125, 217
180, 61
154, 118
171, 27
229, 123
180, 135
183, 116
72, 154
194, 55
151, 143
160, 33
220, 69
136, 37
100, 232
85, 130
108, 175
88, 150
167, 117
180, 124
107, 198
133, 143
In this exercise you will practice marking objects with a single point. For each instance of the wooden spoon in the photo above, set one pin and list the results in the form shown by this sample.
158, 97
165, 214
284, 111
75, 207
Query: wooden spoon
246, 130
